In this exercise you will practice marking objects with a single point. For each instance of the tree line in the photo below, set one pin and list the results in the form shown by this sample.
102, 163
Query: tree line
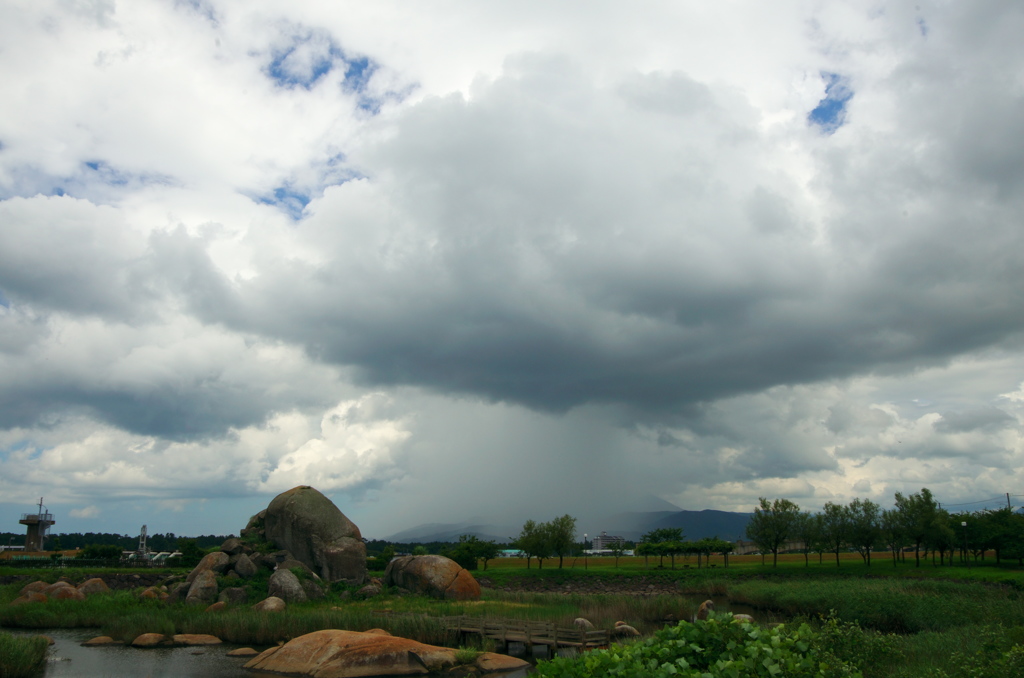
915, 521
670, 542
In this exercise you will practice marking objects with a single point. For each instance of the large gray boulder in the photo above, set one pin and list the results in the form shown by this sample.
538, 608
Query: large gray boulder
310, 526
286, 586
203, 590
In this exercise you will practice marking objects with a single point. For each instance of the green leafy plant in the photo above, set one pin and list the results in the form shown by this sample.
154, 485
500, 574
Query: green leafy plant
719, 647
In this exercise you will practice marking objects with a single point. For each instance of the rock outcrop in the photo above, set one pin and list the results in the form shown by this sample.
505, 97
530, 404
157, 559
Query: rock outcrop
350, 654
435, 576
314, 531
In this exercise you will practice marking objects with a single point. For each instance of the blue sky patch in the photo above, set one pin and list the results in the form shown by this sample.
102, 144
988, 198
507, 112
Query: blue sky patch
312, 54
830, 113
286, 199
4, 301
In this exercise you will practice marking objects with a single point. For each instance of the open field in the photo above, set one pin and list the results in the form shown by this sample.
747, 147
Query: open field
910, 622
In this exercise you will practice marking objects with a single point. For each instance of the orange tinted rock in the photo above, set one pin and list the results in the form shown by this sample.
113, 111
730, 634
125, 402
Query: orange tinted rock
54, 587
379, 632
49, 640
271, 604
351, 654
196, 639
34, 587
66, 593
491, 662
217, 607
100, 640
30, 597
243, 652
94, 585
153, 593
433, 575
151, 640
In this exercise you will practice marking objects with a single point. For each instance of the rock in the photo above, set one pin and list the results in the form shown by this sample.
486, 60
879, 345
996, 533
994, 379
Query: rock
56, 586
153, 593
48, 639
705, 607
305, 522
217, 607
196, 639
582, 623
151, 640
244, 567
232, 546
490, 662
94, 585
216, 562
254, 527
312, 589
30, 597
233, 596
624, 629
369, 591
243, 652
343, 654
178, 592
286, 586
66, 593
743, 618
34, 587
271, 604
379, 632
100, 640
432, 575
203, 590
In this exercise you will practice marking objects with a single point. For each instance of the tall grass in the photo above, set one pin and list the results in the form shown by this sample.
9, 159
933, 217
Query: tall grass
21, 657
890, 605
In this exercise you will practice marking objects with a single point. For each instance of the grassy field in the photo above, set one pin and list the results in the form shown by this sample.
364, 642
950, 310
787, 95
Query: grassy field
910, 622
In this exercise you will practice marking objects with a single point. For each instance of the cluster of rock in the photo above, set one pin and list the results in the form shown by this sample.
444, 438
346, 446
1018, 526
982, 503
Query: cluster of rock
41, 592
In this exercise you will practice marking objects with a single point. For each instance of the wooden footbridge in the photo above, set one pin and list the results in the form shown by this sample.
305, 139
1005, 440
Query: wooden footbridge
529, 633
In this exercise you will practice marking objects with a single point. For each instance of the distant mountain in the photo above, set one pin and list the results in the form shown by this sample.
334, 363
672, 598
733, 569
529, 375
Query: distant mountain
695, 525
429, 532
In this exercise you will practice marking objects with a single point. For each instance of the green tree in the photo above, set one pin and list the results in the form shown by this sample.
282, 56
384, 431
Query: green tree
892, 532
865, 530
470, 550
534, 543
663, 542
562, 535
101, 552
772, 524
806, 530
917, 516
617, 547
834, 527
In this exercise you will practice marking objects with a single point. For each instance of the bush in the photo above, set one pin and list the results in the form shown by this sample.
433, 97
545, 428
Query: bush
101, 552
716, 648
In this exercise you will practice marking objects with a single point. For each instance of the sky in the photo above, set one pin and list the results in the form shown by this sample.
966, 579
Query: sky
448, 261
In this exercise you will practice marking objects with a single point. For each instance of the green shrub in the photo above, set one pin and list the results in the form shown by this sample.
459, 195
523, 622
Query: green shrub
716, 648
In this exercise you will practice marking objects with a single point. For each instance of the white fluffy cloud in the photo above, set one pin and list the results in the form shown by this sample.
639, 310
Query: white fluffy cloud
383, 248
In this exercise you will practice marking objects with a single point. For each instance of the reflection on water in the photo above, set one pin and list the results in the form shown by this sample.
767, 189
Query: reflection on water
67, 659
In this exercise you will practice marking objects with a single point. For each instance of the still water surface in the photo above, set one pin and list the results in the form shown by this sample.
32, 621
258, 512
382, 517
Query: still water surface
67, 659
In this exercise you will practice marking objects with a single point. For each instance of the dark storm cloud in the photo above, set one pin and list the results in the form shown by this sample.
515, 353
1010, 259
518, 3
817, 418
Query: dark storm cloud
984, 419
553, 243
